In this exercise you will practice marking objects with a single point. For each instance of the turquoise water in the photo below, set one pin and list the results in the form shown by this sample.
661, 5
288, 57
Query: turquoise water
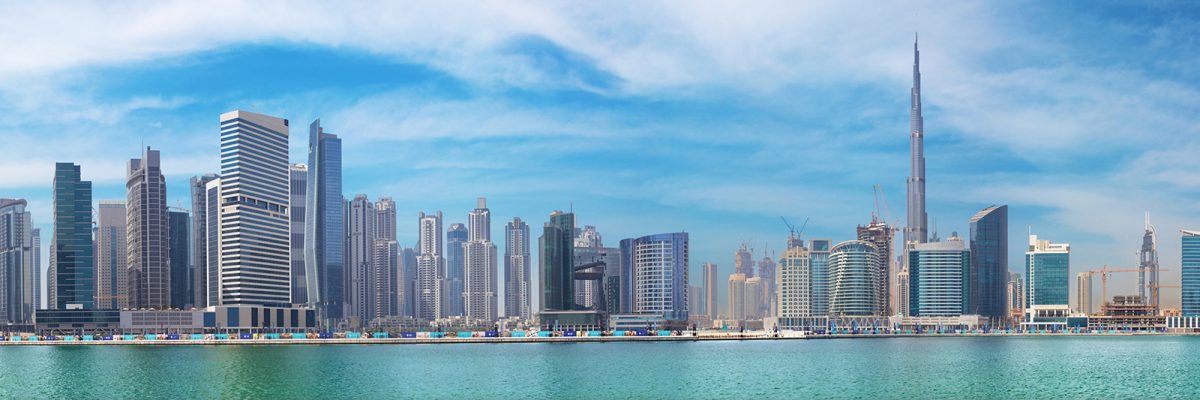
980, 367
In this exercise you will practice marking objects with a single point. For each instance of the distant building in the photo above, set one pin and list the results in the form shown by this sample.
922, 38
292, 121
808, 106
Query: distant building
587, 292
557, 257
601, 294
299, 192
180, 264
768, 301
989, 263
881, 235
360, 250
387, 279
18, 263
819, 258
479, 278
1190, 273
1046, 266
112, 253
709, 275
71, 277
1083, 293
1148, 266
854, 279
937, 279
659, 267
753, 297
325, 226
149, 239
456, 237
737, 296
517, 262
743, 261
1016, 293
903, 296
204, 208
431, 265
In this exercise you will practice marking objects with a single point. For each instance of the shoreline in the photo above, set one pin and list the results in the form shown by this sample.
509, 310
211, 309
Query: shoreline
519, 340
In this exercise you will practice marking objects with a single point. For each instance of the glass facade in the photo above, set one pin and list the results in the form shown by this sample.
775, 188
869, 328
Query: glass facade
558, 275
989, 263
180, 262
1190, 282
455, 267
937, 277
324, 225
819, 259
72, 273
659, 267
854, 279
1046, 266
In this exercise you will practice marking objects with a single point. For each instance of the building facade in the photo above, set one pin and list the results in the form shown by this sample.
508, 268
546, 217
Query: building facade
737, 296
1046, 268
880, 234
456, 236
204, 207
557, 257
796, 283
431, 267
18, 263
1190, 273
1083, 293
854, 279
360, 247
325, 226
71, 279
710, 296
148, 232
253, 216
517, 262
989, 263
937, 279
112, 254
180, 263
298, 187
479, 278
659, 267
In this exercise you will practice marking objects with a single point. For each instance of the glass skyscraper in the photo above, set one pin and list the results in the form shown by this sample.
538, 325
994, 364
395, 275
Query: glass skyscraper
819, 258
1190, 276
148, 233
456, 236
854, 279
558, 275
1046, 268
181, 257
516, 269
937, 279
659, 267
324, 225
18, 268
71, 276
989, 264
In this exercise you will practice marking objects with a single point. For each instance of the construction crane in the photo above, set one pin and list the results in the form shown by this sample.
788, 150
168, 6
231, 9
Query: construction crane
1105, 272
792, 230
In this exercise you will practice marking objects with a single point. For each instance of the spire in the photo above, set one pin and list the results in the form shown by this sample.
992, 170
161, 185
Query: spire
917, 229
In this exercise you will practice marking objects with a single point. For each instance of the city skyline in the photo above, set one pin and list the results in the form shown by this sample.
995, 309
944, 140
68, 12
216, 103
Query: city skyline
1102, 223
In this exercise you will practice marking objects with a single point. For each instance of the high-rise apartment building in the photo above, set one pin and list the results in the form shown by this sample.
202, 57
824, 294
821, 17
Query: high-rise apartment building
587, 292
989, 263
1148, 266
204, 208
180, 265
879, 234
149, 239
517, 262
112, 254
456, 237
819, 251
659, 267
387, 282
212, 242
854, 279
753, 298
557, 258
71, 277
709, 277
1016, 294
1190, 273
18, 263
1083, 293
737, 296
299, 192
360, 248
937, 278
766, 271
431, 267
1046, 268
796, 283
325, 225
253, 214
479, 278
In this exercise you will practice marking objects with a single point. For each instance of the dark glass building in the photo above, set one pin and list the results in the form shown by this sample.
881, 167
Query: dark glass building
455, 237
1190, 274
179, 226
324, 229
72, 281
988, 279
558, 275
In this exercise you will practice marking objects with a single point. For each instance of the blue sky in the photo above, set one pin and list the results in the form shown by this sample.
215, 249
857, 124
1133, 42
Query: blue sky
646, 117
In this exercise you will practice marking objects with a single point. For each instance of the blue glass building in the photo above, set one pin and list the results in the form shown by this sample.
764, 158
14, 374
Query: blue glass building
456, 235
72, 281
180, 265
324, 222
854, 279
1046, 268
1190, 282
658, 270
819, 262
988, 279
937, 279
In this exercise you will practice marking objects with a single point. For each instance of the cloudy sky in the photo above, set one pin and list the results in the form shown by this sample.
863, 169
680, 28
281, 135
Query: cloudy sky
648, 116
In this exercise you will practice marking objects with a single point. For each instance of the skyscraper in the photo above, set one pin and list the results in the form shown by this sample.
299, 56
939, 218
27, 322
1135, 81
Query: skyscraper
854, 279
903, 295
558, 274
743, 261
753, 298
918, 222
18, 268
203, 208
1046, 266
659, 266
766, 271
298, 190
479, 278
819, 257
37, 268
710, 296
253, 215
149, 252
1083, 293
456, 237
360, 248
879, 234
386, 284
431, 267
737, 296
1190, 273
797, 297
385, 219
517, 263
212, 242
408, 263
112, 255
71, 276
180, 264
587, 291
989, 263
937, 278
1148, 266
325, 225
1016, 294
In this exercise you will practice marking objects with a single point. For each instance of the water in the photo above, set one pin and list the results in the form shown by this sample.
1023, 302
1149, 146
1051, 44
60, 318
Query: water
980, 367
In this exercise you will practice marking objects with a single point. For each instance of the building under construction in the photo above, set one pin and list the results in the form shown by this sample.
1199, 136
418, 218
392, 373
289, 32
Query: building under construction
1128, 313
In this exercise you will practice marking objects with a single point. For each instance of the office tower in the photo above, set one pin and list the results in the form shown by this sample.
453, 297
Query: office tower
879, 234
989, 263
903, 295
1190, 273
1148, 266
737, 296
408, 261
36, 300
937, 278
325, 226
753, 299
743, 261
766, 271
797, 297
204, 208
299, 190
253, 215
604, 294
587, 291
1016, 296
360, 244
387, 283
1046, 266
18, 268
385, 218
479, 277
456, 237
212, 244
180, 264
558, 274
71, 277
112, 255
918, 228
431, 267
819, 258
517, 263
659, 267
854, 279
149, 252
1083, 293
695, 299
709, 275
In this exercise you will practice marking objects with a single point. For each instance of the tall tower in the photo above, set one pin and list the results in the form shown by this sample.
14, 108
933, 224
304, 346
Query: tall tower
431, 266
517, 261
1148, 266
917, 229
479, 261
71, 277
360, 250
298, 189
325, 225
112, 254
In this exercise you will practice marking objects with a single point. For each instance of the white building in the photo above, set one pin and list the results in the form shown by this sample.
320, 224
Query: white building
479, 266
431, 267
